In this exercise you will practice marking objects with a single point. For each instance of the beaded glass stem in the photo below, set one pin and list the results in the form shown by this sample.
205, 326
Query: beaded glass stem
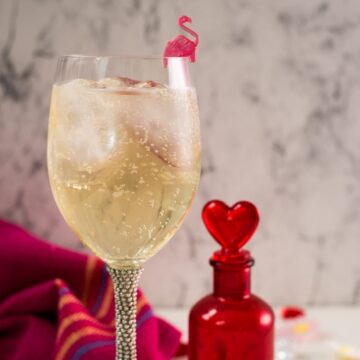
125, 283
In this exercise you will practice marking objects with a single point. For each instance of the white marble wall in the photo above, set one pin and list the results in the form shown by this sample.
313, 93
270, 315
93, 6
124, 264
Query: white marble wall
279, 89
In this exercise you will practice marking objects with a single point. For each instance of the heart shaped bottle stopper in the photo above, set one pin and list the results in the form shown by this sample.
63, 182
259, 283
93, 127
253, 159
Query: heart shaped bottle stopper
232, 227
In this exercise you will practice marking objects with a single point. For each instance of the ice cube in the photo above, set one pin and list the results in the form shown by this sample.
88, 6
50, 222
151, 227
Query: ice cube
166, 122
149, 84
117, 82
127, 83
87, 129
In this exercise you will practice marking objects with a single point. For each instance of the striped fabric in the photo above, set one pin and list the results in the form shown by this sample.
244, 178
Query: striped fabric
58, 304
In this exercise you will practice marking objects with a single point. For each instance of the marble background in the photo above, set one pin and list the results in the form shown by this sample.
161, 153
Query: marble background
279, 90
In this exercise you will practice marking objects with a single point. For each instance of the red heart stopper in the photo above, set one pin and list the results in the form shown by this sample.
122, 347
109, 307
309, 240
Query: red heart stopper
232, 227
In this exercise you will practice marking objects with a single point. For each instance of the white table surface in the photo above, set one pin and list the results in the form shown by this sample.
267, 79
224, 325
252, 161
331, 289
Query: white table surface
341, 323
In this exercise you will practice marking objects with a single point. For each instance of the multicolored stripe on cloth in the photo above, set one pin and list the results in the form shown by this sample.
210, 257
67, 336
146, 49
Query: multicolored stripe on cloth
88, 324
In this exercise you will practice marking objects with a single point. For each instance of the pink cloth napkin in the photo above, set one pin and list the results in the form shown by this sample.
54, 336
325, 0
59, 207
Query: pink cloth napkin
58, 304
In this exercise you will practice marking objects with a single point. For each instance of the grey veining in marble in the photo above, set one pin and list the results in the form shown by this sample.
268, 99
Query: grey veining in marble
279, 91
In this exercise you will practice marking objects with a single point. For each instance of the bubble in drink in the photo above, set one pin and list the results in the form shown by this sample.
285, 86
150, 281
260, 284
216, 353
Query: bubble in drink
124, 163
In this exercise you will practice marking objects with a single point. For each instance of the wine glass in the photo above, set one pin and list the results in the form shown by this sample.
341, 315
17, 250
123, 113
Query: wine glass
124, 163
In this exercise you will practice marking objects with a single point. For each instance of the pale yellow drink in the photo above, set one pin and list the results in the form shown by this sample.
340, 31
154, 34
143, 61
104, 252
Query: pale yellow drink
124, 163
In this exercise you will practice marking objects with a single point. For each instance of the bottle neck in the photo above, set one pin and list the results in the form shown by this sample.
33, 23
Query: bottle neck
232, 280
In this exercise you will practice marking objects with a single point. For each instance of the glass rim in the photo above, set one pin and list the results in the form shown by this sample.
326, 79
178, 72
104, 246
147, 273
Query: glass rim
112, 56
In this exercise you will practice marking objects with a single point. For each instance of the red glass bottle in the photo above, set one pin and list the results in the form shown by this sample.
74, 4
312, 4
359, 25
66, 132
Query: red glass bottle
231, 323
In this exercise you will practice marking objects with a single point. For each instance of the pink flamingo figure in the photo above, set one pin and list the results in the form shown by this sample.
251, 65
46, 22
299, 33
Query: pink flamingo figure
181, 46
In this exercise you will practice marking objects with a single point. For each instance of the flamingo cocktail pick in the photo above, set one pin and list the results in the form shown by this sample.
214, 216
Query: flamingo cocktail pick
176, 53
181, 46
